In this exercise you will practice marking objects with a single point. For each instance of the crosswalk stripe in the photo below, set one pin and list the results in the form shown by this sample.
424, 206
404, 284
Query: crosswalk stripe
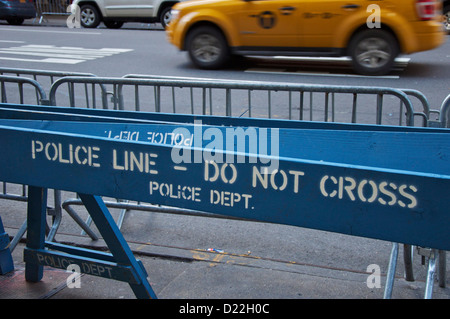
53, 54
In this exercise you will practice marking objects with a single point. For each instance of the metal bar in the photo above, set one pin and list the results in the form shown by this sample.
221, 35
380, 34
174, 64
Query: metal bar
379, 108
354, 107
18, 236
390, 278
444, 116
442, 268
192, 99
302, 96
407, 259
21, 81
249, 85
431, 273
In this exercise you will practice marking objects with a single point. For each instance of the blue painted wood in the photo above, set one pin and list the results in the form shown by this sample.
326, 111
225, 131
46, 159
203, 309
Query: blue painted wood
384, 203
36, 212
39, 112
117, 244
6, 261
385, 149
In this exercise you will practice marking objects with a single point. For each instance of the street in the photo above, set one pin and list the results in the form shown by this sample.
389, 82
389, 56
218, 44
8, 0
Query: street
143, 49
192, 246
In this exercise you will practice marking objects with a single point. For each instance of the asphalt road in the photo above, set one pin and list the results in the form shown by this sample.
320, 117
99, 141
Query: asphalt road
143, 49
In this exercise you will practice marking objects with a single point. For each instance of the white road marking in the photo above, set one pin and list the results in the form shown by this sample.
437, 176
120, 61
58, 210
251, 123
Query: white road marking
82, 31
53, 54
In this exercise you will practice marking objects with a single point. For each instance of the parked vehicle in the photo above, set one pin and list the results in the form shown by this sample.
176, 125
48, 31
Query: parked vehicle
372, 33
114, 13
16, 11
446, 11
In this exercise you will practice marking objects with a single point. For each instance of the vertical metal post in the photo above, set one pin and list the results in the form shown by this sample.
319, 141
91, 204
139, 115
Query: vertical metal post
407, 259
431, 273
379, 107
391, 272
442, 267
354, 107
302, 95
228, 102
36, 212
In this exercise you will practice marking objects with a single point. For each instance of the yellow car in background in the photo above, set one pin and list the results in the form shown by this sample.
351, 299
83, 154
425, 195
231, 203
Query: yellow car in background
372, 33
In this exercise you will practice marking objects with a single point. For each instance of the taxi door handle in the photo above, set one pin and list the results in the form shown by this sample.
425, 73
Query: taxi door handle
286, 10
351, 6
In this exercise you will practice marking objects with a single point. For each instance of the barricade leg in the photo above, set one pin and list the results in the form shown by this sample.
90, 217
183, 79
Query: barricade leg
391, 272
36, 213
6, 261
120, 264
117, 244
431, 273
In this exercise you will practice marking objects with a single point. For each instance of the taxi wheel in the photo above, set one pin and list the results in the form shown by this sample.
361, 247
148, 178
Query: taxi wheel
207, 47
373, 52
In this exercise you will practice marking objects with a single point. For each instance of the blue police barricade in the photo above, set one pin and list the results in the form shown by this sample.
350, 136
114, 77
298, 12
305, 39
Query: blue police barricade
6, 261
388, 183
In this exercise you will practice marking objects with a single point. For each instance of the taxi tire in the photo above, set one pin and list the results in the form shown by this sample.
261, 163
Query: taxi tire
383, 36
213, 34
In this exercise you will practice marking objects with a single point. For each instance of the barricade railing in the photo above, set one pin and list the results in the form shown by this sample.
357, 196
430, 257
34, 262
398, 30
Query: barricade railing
46, 79
51, 7
20, 84
19, 192
306, 100
260, 99
29, 86
444, 118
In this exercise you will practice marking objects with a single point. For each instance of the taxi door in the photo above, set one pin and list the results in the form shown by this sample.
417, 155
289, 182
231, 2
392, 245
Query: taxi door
320, 19
269, 23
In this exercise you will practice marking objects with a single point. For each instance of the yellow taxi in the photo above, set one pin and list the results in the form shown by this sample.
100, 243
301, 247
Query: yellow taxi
372, 33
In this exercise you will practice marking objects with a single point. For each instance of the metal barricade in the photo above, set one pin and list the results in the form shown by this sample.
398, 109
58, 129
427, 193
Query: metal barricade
444, 118
46, 79
301, 108
22, 83
382, 105
51, 7
21, 86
